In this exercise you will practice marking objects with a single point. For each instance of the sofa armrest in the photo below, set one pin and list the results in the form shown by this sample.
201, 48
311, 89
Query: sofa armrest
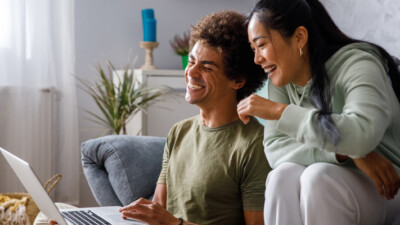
121, 168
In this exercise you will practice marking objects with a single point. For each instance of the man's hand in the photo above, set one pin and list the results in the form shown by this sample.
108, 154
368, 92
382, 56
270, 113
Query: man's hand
148, 212
263, 108
381, 172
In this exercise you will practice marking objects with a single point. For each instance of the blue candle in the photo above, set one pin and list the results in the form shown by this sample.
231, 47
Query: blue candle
149, 30
147, 14
149, 25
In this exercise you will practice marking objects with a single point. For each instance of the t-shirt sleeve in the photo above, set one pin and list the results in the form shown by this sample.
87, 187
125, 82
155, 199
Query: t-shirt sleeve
255, 171
162, 179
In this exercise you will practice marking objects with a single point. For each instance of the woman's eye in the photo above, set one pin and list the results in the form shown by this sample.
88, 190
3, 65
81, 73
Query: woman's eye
260, 45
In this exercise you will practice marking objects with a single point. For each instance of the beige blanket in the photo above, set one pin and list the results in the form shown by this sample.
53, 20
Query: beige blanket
13, 211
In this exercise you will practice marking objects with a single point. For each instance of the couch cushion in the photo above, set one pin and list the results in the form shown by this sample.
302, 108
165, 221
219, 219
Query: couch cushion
121, 168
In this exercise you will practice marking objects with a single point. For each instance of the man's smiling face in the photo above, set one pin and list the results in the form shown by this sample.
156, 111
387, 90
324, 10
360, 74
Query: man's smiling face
207, 83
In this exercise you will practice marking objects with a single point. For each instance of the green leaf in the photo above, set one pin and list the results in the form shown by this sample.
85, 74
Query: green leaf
118, 98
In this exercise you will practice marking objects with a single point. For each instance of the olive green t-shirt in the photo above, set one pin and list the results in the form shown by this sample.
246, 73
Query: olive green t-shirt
214, 174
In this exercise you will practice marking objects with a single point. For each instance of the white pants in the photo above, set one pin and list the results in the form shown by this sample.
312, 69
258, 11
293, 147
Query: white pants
325, 194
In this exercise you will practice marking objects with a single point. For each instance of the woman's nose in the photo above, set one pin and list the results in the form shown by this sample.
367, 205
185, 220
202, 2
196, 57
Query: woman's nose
257, 58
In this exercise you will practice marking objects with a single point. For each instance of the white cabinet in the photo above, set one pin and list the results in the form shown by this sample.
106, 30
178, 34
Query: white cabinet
161, 116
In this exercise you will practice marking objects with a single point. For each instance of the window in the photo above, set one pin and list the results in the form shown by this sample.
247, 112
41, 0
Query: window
5, 23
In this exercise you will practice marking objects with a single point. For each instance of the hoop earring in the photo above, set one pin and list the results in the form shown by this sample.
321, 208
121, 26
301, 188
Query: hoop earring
301, 52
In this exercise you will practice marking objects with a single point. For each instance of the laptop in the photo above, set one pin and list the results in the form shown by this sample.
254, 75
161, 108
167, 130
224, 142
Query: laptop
81, 216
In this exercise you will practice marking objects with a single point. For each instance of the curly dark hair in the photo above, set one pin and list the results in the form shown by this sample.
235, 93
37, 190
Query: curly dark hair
226, 32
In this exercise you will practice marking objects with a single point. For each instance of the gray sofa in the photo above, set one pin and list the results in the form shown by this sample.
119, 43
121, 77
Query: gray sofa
121, 169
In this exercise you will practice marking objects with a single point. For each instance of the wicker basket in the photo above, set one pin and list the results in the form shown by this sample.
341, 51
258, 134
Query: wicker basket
31, 208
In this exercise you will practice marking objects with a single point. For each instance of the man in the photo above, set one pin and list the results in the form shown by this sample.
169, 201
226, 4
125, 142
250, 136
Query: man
214, 167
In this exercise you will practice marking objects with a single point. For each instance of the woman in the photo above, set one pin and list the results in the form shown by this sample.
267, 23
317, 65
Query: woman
332, 133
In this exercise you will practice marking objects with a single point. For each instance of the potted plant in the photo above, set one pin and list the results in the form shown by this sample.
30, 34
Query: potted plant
180, 45
119, 98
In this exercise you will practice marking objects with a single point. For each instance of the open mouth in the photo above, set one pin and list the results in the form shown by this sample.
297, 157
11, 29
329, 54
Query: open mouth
194, 86
270, 69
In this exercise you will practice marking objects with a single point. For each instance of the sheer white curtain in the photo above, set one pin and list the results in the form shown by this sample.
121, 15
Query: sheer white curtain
38, 114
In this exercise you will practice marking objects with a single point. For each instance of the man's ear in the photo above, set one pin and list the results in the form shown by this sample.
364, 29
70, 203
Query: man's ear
301, 37
237, 84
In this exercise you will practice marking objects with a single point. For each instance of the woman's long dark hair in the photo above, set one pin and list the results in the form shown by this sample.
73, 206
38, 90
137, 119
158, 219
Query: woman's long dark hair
325, 38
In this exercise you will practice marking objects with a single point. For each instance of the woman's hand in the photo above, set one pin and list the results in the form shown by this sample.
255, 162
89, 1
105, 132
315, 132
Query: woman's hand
263, 108
381, 172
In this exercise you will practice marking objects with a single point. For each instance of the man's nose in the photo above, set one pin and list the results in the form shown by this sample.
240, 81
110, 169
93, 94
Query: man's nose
193, 70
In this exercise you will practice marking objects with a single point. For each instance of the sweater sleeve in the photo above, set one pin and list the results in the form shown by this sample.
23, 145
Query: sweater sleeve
365, 115
280, 147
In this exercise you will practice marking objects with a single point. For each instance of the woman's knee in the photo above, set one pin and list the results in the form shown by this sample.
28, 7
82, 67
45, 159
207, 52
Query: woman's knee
321, 180
325, 186
318, 176
284, 175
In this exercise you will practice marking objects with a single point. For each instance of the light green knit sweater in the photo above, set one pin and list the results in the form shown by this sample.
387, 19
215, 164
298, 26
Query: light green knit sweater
365, 110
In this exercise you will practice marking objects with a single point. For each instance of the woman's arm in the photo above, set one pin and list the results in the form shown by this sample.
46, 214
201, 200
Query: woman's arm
362, 119
280, 147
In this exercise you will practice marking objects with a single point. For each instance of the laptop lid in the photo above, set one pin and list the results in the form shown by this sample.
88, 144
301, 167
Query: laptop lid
32, 184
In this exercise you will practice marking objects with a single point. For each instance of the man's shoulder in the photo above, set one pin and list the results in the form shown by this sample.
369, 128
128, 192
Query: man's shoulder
253, 127
187, 122
254, 123
253, 133
184, 125
246, 136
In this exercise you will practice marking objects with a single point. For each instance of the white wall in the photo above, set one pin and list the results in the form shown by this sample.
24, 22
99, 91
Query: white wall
112, 29
377, 21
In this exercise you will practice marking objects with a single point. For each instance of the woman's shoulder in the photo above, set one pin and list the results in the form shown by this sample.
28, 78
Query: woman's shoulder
350, 54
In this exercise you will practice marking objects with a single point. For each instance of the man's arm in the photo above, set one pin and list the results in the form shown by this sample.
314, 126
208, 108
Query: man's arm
160, 195
254, 217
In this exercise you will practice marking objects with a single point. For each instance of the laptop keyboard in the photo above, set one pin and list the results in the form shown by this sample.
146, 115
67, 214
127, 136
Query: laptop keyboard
82, 217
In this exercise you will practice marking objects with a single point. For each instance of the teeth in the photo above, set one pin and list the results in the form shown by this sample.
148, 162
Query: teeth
269, 69
193, 86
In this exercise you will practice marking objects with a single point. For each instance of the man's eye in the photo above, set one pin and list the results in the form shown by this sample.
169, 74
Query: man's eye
207, 69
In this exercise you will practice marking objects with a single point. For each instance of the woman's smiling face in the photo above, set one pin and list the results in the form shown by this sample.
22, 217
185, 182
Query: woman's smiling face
278, 56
